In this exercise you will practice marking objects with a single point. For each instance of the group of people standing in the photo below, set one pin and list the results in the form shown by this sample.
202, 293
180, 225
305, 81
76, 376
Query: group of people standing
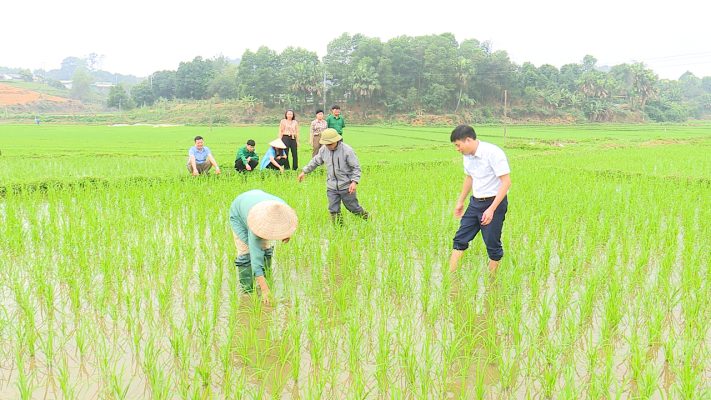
257, 218
289, 132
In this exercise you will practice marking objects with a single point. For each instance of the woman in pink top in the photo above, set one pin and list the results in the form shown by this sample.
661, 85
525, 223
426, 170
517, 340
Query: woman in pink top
289, 134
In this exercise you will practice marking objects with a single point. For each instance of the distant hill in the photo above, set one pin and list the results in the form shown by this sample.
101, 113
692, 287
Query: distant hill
70, 65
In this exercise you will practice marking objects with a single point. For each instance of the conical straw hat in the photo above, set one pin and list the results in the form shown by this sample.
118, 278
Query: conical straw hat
272, 220
277, 143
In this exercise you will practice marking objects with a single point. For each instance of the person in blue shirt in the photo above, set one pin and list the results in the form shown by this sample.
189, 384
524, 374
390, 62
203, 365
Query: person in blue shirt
275, 157
256, 218
200, 158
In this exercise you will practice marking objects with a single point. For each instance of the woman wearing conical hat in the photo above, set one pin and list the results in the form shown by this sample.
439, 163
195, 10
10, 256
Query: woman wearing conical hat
275, 157
256, 218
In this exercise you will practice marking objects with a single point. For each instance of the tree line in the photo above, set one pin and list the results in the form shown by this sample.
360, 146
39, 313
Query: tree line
428, 74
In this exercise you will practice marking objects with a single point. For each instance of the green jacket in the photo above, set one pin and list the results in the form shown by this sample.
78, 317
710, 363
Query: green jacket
243, 153
336, 123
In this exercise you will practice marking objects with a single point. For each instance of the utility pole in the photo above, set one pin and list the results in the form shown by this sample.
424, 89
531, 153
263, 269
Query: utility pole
505, 98
210, 112
324, 89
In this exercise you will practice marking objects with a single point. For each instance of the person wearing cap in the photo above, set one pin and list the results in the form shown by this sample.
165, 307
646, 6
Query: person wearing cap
335, 120
317, 126
275, 157
256, 218
343, 174
247, 159
200, 158
487, 183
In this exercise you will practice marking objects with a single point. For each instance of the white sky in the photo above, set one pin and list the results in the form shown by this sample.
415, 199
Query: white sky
140, 37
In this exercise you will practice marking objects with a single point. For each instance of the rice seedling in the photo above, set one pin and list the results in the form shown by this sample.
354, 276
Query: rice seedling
119, 282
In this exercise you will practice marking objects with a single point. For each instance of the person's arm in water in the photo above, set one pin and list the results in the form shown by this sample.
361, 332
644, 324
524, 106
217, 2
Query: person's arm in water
256, 255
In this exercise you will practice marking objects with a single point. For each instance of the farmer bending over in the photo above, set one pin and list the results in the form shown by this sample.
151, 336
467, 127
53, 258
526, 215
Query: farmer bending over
256, 218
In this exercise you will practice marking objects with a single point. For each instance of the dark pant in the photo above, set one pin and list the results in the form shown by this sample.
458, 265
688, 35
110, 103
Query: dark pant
291, 145
335, 197
240, 167
282, 161
491, 233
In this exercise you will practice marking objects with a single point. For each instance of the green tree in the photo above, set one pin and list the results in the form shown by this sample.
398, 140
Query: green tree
118, 98
364, 82
26, 75
81, 85
259, 75
301, 73
141, 94
162, 84
69, 67
224, 83
192, 78
338, 65
439, 71
464, 73
643, 85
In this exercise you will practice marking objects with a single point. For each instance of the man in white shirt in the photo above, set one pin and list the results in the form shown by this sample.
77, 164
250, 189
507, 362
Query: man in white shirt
488, 183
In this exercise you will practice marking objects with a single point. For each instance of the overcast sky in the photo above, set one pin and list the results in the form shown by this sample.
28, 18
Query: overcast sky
141, 37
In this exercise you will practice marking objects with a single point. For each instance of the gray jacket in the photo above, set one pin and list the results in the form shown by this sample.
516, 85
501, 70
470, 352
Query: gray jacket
342, 166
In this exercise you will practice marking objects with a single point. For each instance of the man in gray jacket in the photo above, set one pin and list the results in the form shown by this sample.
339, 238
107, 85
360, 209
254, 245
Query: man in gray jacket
343, 171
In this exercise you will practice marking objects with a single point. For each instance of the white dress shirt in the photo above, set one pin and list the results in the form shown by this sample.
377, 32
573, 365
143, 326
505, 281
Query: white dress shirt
485, 167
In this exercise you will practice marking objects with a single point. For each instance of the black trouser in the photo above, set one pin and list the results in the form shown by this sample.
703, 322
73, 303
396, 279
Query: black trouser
491, 233
240, 167
282, 161
291, 145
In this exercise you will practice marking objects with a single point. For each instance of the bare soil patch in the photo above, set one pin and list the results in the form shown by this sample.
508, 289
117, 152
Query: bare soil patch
10, 95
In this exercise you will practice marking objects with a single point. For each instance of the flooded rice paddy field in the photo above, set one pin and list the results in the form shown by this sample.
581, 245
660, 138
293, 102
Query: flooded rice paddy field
123, 286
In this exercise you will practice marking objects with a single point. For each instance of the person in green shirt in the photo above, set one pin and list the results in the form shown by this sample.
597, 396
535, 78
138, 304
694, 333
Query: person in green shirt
256, 218
247, 159
335, 121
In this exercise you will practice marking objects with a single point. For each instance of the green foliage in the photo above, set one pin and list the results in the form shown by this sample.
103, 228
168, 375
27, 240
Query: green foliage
142, 94
81, 85
192, 78
118, 98
163, 84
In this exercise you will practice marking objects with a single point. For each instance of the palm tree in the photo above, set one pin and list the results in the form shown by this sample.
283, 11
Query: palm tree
643, 84
364, 81
464, 72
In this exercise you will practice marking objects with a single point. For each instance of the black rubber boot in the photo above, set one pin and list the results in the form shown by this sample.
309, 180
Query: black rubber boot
244, 267
337, 219
268, 253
